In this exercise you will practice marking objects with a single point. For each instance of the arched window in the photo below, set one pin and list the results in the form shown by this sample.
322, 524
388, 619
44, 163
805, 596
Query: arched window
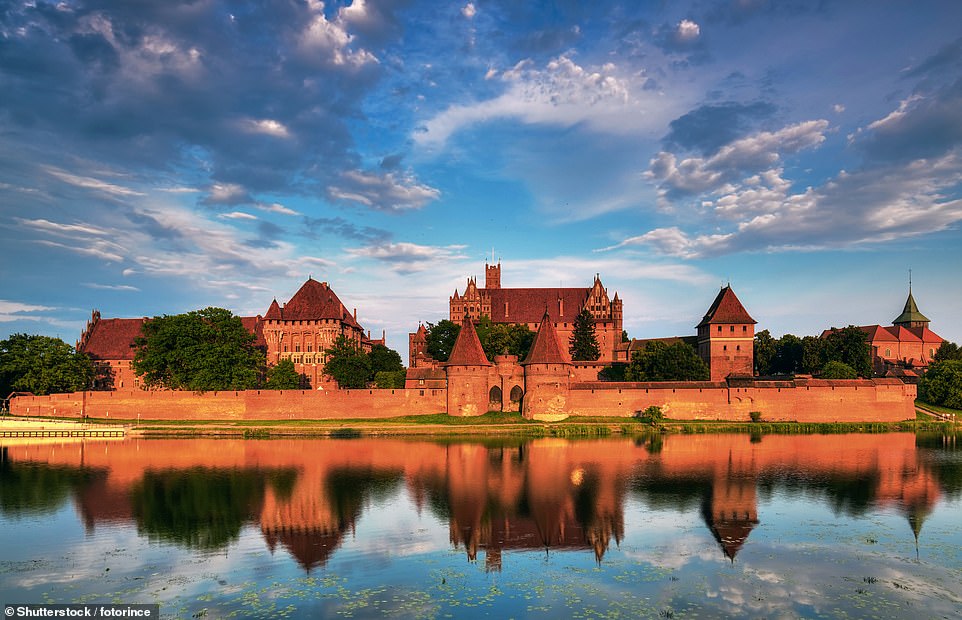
494, 398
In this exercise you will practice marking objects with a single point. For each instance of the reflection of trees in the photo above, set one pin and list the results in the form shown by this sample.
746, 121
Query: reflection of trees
38, 488
942, 454
851, 494
200, 507
349, 489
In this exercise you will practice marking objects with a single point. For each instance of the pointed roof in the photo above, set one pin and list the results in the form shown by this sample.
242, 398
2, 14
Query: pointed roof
726, 309
274, 312
546, 349
313, 301
910, 313
467, 350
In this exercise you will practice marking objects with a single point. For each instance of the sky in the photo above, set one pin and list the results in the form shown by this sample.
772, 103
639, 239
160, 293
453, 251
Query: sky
158, 157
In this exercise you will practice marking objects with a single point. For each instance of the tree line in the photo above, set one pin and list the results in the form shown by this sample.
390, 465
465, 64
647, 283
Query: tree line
841, 354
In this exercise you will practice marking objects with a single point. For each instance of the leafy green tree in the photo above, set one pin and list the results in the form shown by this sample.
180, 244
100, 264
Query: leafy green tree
504, 338
583, 344
347, 364
615, 372
942, 384
203, 350
838, 370
789, 351
812, 357
848, 345
42, 365
765, 351
384, 359
948, 351
440, 339
389, 379
663, 362
284, 376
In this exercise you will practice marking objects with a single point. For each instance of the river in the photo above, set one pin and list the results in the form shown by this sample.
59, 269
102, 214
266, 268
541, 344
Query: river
665, 526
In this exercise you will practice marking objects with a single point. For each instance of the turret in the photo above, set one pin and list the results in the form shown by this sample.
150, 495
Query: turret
726, 337
467, 371
547, 375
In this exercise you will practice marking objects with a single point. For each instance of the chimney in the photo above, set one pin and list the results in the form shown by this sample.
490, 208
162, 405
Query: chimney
355, 314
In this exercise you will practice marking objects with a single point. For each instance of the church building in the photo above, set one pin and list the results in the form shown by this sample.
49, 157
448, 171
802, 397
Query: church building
907, 343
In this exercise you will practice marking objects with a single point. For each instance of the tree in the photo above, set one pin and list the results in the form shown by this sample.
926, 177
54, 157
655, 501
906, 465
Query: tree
765, 351
42, 365
390, 380
948, 351
663, 362
504, 338
203, 350
838, 370
848, 345
440, 339
284, 376
942, 384
812, 358
583, 344
384, 359
347, 364
789, 350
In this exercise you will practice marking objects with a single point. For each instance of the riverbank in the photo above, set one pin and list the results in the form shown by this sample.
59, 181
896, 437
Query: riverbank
490, 424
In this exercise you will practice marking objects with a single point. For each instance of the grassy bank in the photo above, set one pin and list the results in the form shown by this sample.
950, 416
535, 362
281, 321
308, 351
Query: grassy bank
497, 424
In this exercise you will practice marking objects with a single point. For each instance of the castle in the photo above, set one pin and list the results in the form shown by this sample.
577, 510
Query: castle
526, 306
546, 385
300, 331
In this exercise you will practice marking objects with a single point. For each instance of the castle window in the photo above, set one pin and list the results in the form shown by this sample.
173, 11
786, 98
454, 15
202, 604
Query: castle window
888, 352
738, 347
931, 352
732, 328
285, 348
744, 328
719, 328
310, 348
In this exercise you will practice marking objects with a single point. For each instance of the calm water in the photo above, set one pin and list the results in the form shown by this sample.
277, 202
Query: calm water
859, 526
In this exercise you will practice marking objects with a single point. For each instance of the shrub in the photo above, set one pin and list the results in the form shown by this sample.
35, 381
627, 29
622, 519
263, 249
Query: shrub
756, 416
652, 415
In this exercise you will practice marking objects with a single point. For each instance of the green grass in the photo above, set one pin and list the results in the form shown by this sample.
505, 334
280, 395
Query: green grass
939, 408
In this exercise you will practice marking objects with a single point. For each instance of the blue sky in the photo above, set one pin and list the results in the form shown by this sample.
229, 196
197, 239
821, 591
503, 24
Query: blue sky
159, 157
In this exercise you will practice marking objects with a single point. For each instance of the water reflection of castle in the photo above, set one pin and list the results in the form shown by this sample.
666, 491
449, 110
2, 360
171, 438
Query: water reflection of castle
544, 495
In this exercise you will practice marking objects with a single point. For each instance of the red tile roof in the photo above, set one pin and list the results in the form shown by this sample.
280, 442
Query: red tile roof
528, 305
726, 309
467, 350
112, 339
313, 301
255, 325
927, 335
546, 349
903, 334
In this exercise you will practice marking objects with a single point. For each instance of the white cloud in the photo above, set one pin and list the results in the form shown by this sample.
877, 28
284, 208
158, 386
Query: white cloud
237, 215
328, 42
469, 10
389, 191
562, 93
277, 208
110, 287
864, 207
14, 307
751, 154
227, 194
265, 126
409, 257
687, 30
91, 183
62, 229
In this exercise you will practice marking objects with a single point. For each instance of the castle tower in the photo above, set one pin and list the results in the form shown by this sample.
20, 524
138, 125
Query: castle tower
547, 376
467, 373
726, 337
911, 317
492, 276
